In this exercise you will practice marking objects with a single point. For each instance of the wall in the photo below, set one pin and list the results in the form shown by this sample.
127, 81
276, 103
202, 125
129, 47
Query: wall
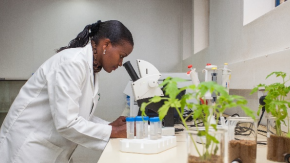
255, 9
252, 51
31, 30
200, 25
187, 28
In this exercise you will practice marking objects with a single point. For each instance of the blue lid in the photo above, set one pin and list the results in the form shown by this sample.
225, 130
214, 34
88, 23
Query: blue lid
155, 119
140, 118
146, 118
130, 119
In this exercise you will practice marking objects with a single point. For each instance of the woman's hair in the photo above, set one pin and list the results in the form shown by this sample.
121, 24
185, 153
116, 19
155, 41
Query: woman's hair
112, 29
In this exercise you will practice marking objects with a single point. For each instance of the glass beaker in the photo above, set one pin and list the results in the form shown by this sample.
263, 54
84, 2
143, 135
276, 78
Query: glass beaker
208, 148
242, 139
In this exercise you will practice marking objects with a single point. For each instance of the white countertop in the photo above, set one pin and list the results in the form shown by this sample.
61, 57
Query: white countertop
177, 154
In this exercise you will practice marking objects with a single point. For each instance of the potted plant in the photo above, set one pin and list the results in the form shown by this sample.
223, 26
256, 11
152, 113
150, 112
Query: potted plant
242, 139
278, 141
210, 150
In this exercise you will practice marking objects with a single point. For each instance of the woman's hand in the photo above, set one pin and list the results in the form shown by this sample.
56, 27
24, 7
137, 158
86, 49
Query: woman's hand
119, 131
119, 121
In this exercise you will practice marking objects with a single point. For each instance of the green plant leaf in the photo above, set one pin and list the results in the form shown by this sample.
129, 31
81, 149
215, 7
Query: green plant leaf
212, 138
214, 126
192, 87
165, 81
163, 110
201, 133
178, 80
248, 111
189, 105
282, 74
143, 106
275, 102
270, 75
175, 103
254, 90
183, 102
216, 150
197, 113
171, 89
155, 99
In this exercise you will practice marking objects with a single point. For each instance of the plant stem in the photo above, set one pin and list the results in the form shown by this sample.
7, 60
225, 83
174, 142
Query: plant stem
212, 147
278, 128
186, 127
188, 116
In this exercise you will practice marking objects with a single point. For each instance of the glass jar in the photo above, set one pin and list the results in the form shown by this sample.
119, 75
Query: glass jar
242, 139
278, 143
205, 149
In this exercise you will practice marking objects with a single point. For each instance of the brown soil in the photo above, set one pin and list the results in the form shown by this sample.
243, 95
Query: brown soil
277, 147
214, 159
245, 150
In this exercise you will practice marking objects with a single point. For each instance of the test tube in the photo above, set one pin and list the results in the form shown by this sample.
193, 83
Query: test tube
145, 127
130, 127
159, 128
139, 127
154, 128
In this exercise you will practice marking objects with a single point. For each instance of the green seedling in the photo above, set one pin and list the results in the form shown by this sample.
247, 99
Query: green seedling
275, 101
201, 111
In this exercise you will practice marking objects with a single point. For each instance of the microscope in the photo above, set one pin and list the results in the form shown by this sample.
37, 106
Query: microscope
146, 87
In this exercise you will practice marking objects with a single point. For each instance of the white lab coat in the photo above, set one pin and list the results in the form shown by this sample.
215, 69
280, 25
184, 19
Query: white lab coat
53, 112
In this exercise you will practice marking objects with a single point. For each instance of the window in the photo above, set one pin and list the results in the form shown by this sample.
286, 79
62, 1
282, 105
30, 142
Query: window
253, 9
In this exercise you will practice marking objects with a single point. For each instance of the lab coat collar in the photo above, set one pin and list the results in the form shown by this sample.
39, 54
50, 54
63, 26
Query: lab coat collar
88, 51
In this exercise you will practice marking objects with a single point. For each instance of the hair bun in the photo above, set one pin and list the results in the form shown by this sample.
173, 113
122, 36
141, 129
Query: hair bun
95, 27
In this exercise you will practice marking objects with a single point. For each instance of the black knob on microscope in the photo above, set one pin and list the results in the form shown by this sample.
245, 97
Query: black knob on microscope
261, 100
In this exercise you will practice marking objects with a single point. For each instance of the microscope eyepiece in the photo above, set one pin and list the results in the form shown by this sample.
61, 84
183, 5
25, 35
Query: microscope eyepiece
131, 71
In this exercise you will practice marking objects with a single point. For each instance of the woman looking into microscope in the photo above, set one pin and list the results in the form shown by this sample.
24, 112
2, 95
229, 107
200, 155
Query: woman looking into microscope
53, 112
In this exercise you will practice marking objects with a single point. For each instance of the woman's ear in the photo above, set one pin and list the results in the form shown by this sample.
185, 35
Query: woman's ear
106, 43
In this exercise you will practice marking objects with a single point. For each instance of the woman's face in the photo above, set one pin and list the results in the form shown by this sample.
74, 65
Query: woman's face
114, 55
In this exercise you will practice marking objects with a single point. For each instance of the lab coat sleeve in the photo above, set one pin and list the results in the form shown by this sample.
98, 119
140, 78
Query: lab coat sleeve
65, 89
96, 119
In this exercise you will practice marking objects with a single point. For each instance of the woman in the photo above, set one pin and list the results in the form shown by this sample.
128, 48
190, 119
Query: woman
53, 111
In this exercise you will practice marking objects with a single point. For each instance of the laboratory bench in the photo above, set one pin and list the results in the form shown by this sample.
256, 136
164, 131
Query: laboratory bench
177, 154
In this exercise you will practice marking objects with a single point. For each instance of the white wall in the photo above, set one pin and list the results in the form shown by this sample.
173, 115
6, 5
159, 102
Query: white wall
200, 25
187, 26
252, 51
253, 9
31, 30
248, 45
